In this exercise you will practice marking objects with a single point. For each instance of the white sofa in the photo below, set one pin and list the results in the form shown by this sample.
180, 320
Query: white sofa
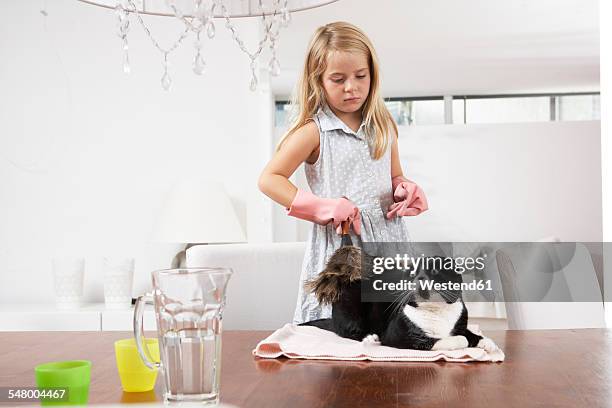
262, 293
576, 280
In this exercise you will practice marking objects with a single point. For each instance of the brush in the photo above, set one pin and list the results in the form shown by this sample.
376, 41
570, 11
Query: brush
343, 267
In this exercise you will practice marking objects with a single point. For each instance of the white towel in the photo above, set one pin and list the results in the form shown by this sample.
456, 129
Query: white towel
310, 342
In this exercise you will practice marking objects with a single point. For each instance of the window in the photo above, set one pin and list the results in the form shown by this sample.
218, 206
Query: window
467, 109
422, 111
577, 107
282, 114
401, 112
499, 110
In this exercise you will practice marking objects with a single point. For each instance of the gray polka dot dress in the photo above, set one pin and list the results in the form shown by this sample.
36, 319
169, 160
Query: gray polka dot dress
345, 168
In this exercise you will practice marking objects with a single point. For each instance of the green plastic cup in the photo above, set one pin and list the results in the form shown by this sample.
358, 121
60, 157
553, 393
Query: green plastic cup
73, 375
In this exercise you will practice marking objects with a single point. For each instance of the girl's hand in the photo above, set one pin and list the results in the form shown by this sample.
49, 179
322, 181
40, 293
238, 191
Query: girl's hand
409, 198
322, 211
348, 212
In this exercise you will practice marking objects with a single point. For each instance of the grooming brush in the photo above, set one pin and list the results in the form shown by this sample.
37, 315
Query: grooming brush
342, 268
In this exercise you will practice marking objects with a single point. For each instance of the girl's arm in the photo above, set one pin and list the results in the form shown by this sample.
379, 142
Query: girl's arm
396, 165
274, 179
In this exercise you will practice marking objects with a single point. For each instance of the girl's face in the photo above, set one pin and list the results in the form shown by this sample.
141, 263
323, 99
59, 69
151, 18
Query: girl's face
346, 81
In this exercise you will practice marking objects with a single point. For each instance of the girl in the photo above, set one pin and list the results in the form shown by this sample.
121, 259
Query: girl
348, 141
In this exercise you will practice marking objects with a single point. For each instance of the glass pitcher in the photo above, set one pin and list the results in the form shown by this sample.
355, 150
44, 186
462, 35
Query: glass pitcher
189, 305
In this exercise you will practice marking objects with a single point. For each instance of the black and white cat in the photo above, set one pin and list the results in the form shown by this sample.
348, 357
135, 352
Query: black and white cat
421, 319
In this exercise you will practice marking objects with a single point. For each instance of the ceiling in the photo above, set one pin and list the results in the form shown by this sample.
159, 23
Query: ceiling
462, 47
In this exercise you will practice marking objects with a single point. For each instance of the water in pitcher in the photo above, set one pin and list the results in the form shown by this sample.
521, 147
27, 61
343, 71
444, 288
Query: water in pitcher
190, 347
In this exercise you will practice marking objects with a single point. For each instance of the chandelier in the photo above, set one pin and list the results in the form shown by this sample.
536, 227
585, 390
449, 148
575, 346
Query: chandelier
198, 17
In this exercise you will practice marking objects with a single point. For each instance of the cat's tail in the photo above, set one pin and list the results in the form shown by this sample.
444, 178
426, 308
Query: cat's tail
343, 267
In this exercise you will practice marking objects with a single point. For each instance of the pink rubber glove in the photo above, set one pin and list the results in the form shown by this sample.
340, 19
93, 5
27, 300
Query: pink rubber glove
322, 211
409, 198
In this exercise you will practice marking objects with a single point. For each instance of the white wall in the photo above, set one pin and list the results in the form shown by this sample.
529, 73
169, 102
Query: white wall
507, 182
87, 152
498, 182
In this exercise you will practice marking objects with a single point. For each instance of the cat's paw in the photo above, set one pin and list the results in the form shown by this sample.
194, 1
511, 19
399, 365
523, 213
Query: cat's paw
451, 343
371, 339
487, 344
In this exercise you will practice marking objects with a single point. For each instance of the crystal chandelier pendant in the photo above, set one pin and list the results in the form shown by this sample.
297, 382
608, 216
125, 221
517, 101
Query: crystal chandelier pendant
123, 22
210, 29
285, 17
274, 67
123, 26
253, 85
126, 64
199, 65
166, 81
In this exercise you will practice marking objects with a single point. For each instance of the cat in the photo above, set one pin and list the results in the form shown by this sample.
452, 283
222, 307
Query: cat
420, 319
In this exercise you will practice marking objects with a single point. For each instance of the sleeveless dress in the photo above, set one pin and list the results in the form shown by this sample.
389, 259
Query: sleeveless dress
345, 168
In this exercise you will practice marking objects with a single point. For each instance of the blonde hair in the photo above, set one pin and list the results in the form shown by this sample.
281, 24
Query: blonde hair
310, 96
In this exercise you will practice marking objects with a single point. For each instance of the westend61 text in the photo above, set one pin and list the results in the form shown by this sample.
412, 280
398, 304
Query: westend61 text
431, 285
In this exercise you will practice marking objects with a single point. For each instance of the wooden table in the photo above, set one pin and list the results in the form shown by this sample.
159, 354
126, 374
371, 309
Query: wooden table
551, 368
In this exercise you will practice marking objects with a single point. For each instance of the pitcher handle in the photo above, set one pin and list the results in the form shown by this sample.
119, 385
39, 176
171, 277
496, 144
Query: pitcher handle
144, 353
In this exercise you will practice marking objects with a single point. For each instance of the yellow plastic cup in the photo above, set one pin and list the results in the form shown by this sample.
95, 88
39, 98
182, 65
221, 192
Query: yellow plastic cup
134, 374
